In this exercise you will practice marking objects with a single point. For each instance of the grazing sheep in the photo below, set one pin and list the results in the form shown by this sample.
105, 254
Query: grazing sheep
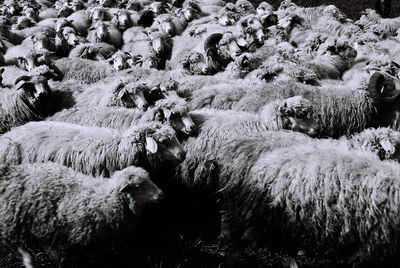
326, 200
30, 100
92, 150
54, 218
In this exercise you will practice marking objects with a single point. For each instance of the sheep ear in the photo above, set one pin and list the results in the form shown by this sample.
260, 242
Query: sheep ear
387, 146
151, 145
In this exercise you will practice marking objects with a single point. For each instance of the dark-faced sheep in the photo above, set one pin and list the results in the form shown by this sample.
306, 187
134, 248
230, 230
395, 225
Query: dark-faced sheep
51, 197
92, 150
29, 100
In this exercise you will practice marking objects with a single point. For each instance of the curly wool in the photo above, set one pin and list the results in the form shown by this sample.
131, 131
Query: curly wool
65, 211
218, 126
383, 142
108, 94
90, 150
109, 117
101, 50
85, 71
318, 198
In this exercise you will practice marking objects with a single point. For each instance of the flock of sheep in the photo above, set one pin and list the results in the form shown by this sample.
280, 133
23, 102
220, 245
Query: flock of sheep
287, 117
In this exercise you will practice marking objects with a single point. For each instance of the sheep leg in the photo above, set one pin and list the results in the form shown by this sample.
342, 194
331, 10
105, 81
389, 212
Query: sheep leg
26, 258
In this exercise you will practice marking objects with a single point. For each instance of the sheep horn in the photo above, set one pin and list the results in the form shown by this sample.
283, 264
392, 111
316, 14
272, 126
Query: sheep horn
375, 85
22, 78
212, 41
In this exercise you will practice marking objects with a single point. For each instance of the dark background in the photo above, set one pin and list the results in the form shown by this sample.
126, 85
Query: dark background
351, 7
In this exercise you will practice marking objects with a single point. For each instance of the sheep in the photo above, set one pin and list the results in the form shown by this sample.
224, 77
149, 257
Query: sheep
129, 95
169, 24
30, 100
51, 197
346, 189
85, 71
105, 32
33, 43
93, 51
217, 126
125, 19
92, 150
370, 20
79, 20
172, 110
341, 111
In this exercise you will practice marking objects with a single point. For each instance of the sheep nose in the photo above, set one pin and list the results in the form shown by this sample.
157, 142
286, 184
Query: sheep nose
191, 128
181, 155
159, 197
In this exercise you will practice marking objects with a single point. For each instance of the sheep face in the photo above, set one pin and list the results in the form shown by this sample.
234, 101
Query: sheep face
101, 31
158, 8
138, 188
182, 122
264, 9
168, 27
40, 41
119, 60
70, 36
175, 111
169, 150
97, 14
296, 114
122, 20
36, 90
131, 96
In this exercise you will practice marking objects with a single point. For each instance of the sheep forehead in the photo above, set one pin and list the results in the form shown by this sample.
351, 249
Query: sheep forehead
298, 102
136, 174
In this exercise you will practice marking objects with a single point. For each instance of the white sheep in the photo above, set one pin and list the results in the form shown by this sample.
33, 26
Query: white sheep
62, 209
92, 150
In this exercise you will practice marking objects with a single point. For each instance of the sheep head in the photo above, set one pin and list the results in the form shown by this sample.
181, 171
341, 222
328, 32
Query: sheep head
175, 111
35, 90
159, 141
119, 60
70, 36
135, 183
295, 113
382, 89
96, 14
101, 31
122, 19
130, 95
